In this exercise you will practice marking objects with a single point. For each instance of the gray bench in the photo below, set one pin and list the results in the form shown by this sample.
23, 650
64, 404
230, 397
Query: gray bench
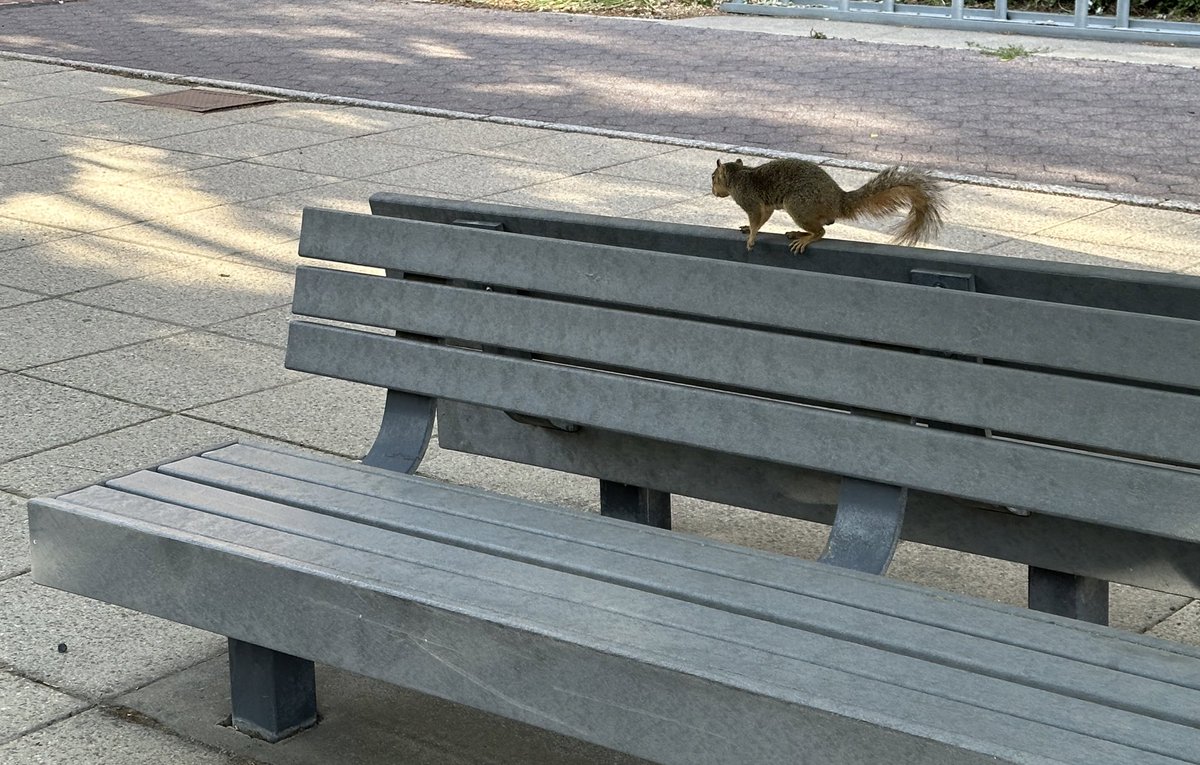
665, 646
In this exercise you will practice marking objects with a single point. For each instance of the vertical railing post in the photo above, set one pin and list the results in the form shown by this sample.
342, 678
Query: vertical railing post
1122, 14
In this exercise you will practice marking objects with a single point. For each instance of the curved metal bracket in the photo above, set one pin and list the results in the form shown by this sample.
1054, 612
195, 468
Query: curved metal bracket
404, 433
867, 527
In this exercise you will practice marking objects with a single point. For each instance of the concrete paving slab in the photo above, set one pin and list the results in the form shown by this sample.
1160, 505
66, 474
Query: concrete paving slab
1012, 211
86, 208
579, 152
141, 123
178, 372
105, 737
352, 196
10, 296
89, 86
14, 68
58, 469
14, 550
83, 262
363, 722
269, 326
240, 141
282, 256
214, 231
708, 211
1161, 230
79, 171
24, 145
350, 158
1091, 253
239, 181
598, 195
682, 167
26, 705
1182, 626
201, 292
108, 649
52, 111
344, 121
11, 95
37, 415
469, 176
19, 233
460, 135
322, 413
53, 330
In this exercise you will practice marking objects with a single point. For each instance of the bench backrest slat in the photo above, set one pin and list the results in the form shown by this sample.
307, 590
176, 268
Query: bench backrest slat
1024, 403
1121, 289
1071, 338
1110, 491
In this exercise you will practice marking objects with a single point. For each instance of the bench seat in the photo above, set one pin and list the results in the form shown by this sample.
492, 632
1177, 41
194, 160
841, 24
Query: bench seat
659, 644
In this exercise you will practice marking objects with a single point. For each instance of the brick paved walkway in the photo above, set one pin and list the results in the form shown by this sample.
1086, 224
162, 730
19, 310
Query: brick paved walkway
1117, 127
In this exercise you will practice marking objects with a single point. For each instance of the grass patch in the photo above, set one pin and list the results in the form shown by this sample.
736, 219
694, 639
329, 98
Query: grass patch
1006, 52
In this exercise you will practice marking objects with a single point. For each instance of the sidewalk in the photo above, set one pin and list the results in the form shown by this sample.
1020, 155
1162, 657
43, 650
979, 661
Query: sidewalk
1104, 125
147, 260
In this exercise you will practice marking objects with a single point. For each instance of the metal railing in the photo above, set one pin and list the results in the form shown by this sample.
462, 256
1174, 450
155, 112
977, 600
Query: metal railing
1120, 27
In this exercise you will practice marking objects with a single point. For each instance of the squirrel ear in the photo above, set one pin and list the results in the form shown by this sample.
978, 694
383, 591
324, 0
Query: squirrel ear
718, 163
739, 162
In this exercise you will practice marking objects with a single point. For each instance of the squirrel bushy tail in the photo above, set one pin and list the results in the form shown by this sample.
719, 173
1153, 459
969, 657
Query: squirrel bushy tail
890, 192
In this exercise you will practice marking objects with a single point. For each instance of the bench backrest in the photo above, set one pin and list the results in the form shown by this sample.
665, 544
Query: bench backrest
1073, 412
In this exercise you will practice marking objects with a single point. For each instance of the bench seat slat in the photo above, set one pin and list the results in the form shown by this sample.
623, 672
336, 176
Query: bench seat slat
576, 549
891, 597
1154, 705
534, 599
1151, 423
1135, 346
1057, 482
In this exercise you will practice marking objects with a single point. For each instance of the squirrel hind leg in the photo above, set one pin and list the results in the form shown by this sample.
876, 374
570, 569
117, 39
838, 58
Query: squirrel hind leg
802, 239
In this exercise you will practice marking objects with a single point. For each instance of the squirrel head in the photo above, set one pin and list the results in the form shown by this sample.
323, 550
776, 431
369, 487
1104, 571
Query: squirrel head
721, 176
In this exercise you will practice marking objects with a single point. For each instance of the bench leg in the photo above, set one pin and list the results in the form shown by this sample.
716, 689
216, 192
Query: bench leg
272, 694
633, 503
1079, 597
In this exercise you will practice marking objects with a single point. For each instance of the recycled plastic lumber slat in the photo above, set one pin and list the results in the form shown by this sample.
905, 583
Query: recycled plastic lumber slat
1156, 424
1063, 544
539, 602
1120, 289
517, 532
1108, 491
1063, 701
968, 616
1087, 340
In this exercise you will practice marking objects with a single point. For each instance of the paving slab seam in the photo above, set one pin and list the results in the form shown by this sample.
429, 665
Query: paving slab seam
21, 572
25, 455
1137, 200
1159, 622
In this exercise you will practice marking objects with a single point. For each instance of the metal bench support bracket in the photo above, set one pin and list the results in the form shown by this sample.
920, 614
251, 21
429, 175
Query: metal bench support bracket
867, 526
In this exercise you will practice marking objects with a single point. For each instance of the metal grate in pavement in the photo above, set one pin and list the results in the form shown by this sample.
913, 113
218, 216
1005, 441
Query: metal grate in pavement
200, 100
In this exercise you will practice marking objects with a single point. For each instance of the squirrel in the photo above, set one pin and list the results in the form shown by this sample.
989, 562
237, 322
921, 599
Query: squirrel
814, 200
